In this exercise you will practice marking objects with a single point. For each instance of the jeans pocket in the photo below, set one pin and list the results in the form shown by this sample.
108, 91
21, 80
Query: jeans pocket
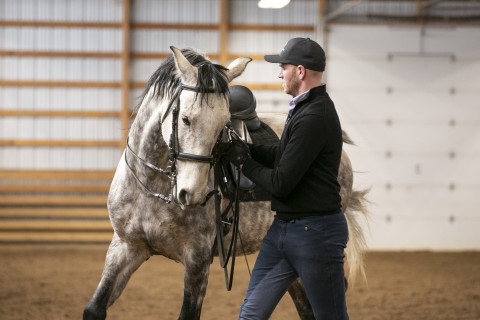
316, 223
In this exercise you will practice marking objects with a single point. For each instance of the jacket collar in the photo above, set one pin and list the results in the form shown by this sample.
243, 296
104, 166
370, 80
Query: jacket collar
313, 92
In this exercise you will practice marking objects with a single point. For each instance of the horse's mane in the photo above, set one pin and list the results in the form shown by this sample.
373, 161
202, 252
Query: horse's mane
210, 77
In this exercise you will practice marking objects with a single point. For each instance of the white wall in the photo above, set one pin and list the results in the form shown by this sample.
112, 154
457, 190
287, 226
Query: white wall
410, 98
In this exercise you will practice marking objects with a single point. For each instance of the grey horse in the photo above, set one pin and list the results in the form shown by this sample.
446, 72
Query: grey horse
175, 225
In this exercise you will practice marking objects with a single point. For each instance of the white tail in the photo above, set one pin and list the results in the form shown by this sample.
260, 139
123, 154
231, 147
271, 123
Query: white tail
357, 245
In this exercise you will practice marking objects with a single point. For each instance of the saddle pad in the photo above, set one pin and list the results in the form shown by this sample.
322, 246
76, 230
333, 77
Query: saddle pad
264, 135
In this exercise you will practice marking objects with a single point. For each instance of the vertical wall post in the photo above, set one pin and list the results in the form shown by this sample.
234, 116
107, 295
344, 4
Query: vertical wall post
224, 32
125, 113
321, 30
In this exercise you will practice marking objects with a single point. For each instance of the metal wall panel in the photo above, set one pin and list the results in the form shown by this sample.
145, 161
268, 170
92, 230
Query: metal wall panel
68, 99
61, 69
177, 12
60, 39
146, 40
61, 10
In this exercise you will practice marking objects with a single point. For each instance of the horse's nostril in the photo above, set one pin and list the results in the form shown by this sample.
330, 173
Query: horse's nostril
183, 197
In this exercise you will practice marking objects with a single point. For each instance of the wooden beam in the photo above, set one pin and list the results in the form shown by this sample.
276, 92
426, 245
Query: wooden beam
261, 27
72, 84
56, 237
53, 188
53, 201
253, 86
138, 85
125, 113
258, 57
55, 225
420, 11
60, 54
148, 55
60, 24
53, 212
113, 55
260, 86
223, 29
60, 143
95, 175
174, 26
61, 114
160, 26
160, 55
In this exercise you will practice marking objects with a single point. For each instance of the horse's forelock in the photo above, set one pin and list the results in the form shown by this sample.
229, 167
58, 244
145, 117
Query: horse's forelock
211, 77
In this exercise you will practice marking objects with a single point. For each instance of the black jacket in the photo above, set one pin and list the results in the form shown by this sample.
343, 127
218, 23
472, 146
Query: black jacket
301, 171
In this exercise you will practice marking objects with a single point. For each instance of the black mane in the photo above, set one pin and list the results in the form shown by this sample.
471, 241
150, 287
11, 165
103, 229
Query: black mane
210, 76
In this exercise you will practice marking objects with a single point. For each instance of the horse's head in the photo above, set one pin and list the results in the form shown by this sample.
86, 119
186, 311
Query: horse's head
202, 114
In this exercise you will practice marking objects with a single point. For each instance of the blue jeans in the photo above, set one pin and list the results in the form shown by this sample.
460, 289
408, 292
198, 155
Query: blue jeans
311, 248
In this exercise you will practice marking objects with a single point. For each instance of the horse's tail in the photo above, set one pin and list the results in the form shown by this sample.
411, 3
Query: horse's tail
356, 245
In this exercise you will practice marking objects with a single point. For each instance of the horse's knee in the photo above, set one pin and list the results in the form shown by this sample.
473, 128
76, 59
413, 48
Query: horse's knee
92, 313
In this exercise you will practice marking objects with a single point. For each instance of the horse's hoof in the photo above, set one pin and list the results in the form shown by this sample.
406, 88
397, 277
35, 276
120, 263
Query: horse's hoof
90, 313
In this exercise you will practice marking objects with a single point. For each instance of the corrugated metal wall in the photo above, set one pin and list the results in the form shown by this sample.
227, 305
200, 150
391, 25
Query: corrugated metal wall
407, 95
59, 69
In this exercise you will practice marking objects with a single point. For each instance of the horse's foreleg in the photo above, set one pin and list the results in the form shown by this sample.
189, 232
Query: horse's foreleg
299, 297
121, 261
197, 269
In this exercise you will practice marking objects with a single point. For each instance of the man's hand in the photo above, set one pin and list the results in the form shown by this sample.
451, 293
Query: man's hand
237, 153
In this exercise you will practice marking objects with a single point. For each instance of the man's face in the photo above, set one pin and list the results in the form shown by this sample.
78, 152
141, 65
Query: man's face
290, 81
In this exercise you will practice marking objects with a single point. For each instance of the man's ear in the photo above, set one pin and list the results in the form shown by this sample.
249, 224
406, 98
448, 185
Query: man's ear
301, 71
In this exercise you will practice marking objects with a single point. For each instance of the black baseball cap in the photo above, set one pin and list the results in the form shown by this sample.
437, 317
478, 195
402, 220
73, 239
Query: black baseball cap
300, 51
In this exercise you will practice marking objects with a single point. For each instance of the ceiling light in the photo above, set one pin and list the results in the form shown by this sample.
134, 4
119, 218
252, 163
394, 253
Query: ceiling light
272, 4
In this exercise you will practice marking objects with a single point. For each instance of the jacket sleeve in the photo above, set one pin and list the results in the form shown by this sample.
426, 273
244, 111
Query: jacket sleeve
264, 154
309, 135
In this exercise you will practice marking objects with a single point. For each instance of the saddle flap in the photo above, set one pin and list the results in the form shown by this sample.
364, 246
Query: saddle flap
241, 129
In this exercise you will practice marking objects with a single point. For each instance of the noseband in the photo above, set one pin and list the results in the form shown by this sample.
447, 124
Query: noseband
174, 153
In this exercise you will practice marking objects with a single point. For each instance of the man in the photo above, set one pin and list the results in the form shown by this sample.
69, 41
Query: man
309, 233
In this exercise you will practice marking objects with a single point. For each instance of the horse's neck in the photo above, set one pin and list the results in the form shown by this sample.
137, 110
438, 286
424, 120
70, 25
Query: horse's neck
145, 136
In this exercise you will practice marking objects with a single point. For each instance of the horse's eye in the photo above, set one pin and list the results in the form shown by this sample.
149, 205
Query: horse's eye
186, 121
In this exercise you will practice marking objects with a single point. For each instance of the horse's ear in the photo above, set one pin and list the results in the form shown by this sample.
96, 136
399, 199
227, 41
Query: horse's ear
187, 72
237, 67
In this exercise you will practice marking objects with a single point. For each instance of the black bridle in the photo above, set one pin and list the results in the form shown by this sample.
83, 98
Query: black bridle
174, 149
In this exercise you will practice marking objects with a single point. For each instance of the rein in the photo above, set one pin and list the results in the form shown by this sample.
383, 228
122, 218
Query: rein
221, 221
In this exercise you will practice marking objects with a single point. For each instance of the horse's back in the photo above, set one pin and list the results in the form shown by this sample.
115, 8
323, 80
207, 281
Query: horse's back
275, 120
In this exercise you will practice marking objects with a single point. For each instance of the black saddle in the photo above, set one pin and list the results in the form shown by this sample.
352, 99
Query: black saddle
250, 129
